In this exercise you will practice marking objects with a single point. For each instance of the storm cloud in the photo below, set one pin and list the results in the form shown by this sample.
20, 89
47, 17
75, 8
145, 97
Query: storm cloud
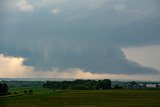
85, 34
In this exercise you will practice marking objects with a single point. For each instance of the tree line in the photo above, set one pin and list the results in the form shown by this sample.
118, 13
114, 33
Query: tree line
79, 84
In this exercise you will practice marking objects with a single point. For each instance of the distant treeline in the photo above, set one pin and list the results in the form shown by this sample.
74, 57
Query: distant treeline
79, 84
23, 84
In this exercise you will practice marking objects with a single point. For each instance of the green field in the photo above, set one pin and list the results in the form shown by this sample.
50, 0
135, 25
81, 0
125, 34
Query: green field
109, 98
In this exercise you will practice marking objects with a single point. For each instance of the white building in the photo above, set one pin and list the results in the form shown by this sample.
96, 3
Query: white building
151, 86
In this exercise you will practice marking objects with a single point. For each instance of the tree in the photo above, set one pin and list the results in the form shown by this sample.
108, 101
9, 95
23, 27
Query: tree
4, 89
133, 85
118, 87
25, 91
103, 84
30, 91
15, 93
1, 93
79, 84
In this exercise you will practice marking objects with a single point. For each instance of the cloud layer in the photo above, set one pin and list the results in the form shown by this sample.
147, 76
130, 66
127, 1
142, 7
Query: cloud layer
87, 35
13, 67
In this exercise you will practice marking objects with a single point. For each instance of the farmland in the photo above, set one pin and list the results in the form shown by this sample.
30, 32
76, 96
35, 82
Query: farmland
81, 98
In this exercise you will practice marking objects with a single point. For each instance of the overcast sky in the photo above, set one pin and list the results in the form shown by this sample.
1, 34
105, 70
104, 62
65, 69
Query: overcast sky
91, 36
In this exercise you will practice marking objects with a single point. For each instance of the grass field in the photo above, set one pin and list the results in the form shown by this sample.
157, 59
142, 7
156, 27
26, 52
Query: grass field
109, 98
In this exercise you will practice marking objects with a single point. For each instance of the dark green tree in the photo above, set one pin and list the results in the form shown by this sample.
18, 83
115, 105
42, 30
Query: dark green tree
118, 87
79, 84
30, 91
4, 89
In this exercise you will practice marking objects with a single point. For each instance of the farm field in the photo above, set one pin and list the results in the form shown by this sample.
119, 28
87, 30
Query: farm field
87, 98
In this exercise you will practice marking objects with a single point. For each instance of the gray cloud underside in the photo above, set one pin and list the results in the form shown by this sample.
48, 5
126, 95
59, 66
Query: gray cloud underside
81, 36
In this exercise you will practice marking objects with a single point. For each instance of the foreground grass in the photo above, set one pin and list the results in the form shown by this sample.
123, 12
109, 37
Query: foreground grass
92, 98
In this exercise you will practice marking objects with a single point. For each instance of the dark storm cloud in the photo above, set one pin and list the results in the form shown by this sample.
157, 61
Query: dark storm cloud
85, 34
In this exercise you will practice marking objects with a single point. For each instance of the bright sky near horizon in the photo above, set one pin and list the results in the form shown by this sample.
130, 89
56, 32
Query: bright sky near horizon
118, 39
145, 55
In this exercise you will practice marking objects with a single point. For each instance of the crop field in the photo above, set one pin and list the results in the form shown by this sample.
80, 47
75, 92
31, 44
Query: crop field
87, 98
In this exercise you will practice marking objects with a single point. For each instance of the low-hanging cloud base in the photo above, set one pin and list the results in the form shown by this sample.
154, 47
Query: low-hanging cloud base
13, 67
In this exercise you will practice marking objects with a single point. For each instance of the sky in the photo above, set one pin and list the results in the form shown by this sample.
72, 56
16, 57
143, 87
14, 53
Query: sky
116, 39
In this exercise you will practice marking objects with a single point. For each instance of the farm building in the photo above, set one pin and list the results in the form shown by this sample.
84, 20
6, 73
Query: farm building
151, 85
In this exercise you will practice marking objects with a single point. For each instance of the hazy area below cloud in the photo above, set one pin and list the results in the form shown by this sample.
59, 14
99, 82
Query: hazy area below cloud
12, 67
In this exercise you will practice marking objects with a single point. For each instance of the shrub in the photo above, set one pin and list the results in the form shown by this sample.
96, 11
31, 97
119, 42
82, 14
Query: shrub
118, 87
15, 93
30, 91
25, 91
